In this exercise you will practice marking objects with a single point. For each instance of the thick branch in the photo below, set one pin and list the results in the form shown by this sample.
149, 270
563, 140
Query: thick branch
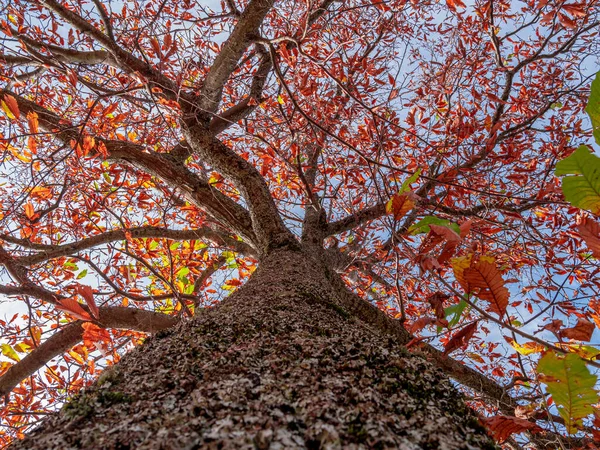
237, 112
66, 55
356, 219
197, 190
233, 49
461, 373
125, 60
248, 104
56, 251
67, 337
266, 222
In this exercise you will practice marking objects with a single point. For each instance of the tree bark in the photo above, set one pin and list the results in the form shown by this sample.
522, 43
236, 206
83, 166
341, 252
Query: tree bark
282, 363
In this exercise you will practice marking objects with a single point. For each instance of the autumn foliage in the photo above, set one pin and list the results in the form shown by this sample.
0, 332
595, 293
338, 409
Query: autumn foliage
153, 152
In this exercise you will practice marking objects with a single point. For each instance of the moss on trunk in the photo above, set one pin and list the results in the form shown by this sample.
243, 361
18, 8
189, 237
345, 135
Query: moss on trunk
280, 364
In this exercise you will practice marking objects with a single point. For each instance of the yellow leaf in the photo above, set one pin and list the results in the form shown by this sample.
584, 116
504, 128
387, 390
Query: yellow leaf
22, 347
9, 352
280, 100
528, 347
6, 110
25, 156
11, 107
459, 265
76, 356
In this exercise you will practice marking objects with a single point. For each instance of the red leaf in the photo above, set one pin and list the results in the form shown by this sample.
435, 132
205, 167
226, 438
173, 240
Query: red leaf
465, 227
436, 301
447, 233
12, 105
421, 323
575, 10
581, 332
566, 21
88, 295
460, 338
453, 4
485, 280
399, 205
589, 230
502, 427
554, 326
73, 307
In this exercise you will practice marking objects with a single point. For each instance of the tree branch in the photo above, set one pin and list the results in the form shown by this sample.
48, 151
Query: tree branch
67, 337
356, 219
125, 60
238, 112
267, 224
232, 50
56, 251
197, 190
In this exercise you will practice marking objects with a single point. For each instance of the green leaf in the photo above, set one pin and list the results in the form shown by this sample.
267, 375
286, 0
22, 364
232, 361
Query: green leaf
422, 226
410, 180
181, 273
8, 351
82, 274
571, 384
153, 245
581, 186
456, 312
68, 265
593, 107
174, 245
189, 289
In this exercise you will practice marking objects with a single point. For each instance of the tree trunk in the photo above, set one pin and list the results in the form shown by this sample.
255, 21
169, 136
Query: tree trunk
279, 364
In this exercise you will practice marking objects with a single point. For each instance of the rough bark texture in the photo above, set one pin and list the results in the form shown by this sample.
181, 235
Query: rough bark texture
280, 364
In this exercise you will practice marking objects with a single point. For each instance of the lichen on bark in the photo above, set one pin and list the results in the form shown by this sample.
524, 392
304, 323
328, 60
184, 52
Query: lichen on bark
276, 365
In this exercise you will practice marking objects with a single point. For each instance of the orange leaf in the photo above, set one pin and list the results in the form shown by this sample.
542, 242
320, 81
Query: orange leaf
88, 295
11, 107
32, 120
421, 323
88, 143
399, 205
582, 331
29, 211
589, 230
156, 47
595, 307
502, 427
92, 333
32, 144
73, 307
484, 280
453, 4
45, 193
460, 338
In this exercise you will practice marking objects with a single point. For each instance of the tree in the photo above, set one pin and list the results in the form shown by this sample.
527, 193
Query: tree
373, 181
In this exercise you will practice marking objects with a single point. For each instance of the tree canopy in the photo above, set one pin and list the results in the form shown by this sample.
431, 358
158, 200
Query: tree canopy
438, 152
